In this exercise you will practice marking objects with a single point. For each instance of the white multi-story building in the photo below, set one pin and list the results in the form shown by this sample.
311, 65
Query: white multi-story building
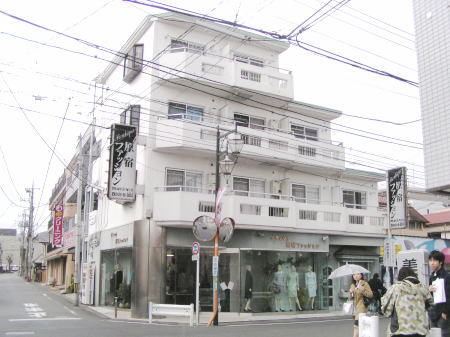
432, 25
293, 200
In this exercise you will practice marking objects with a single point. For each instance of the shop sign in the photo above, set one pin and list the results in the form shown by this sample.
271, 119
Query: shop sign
295, 243
58, 225
215, 266
118, 237
396, 199
122, 163
43, 237
69, 239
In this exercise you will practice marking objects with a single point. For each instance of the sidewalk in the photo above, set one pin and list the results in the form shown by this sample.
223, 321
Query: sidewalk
224, 318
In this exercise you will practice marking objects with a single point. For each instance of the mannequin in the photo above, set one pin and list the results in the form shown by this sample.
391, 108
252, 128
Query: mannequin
311, 286
248, 288
278, 286
115, 281
293, 287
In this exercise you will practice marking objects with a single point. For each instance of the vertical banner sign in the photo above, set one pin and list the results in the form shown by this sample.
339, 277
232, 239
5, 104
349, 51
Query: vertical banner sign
218, 208
122, 163
396, 197
58, 225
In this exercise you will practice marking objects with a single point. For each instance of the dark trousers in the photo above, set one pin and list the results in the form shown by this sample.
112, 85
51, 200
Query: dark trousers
443, 324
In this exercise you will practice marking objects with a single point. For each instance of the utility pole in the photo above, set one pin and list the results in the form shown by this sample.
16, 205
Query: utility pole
78, 224
29, 254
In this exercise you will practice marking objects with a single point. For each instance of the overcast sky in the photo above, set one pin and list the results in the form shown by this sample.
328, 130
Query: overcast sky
43, 80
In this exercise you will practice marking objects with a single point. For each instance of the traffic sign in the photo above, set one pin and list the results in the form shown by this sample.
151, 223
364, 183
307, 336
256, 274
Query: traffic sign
215, 265
195, 248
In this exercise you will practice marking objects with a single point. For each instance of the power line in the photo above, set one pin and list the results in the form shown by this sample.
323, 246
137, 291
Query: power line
274, 35
9, 173
186, 86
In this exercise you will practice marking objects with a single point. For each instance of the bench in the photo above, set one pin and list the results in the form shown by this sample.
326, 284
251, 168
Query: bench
171, 310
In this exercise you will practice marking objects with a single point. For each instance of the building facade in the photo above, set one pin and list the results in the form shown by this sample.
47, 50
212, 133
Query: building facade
9, 249
432, 25
299, 211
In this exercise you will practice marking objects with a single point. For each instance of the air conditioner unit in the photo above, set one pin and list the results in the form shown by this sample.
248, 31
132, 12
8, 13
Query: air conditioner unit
417, 259
275, 187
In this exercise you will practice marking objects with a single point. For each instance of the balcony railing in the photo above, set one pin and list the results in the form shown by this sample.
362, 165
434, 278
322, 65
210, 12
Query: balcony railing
188, 202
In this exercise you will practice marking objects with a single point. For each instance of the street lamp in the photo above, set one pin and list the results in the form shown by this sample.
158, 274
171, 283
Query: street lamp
234, 143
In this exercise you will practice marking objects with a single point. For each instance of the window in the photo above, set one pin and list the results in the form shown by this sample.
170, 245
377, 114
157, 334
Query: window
180, 180
306, 193
354, 199
278, 212
415, 225
251, 140
206, 206
131, 116
178, 46
307, 215
332, 216
250, 209
249, 121
249, 60
183, 111
249, 187
133, 63
250, 75
212, 69
356, 219
303, 132
378, 221
278, 145
307, 151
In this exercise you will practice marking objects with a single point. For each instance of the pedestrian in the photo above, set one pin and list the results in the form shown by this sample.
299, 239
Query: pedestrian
378, 290
439, 312
358, 290
405, 302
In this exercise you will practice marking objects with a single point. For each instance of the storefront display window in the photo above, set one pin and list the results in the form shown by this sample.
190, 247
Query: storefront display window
283, 281
116, 277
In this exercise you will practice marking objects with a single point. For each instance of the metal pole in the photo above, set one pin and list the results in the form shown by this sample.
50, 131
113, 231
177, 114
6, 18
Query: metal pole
30, 235
79, 219
115, 283
215, 319
197, 291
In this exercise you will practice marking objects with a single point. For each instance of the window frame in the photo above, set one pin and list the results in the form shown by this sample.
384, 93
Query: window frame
307, 199
186, 113
130, 71
354, 204
186, 46
130, 114
255, 61
304, 135
249, 123
250, 192
183, 187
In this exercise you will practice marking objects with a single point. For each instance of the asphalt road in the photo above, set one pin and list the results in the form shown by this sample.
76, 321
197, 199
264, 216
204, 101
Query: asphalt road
28, 309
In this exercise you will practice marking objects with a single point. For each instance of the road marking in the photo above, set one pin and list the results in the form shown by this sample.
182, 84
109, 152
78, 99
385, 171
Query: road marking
287, 323
71, 311
34, 310
17, 333
48, 297
44, 319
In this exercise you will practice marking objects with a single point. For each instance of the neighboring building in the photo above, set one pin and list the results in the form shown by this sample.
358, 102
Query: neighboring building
9, 249
432, 25
60, 259
292, 198
417, 225
426, 202
439, 224
39, 263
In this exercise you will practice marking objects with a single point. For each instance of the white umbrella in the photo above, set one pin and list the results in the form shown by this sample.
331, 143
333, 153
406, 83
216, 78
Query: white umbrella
347, 270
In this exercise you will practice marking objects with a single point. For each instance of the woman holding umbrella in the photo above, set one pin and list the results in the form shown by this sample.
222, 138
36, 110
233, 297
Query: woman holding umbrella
358, 290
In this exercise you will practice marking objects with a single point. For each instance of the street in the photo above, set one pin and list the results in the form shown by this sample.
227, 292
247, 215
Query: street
29, 309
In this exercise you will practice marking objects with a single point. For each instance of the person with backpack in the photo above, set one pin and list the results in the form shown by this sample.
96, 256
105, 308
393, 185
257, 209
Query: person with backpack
405, 302
378, 290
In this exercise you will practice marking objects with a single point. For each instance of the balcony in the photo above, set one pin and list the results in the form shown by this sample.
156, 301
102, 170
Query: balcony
173, 135
177, 206
226, 73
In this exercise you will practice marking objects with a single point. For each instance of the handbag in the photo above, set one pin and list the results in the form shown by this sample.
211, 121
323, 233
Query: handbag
367, 301
348, 308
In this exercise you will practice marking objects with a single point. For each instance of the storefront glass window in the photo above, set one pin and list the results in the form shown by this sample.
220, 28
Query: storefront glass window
116, 276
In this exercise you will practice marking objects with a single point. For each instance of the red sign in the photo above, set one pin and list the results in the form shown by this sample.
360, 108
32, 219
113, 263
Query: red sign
58, 225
